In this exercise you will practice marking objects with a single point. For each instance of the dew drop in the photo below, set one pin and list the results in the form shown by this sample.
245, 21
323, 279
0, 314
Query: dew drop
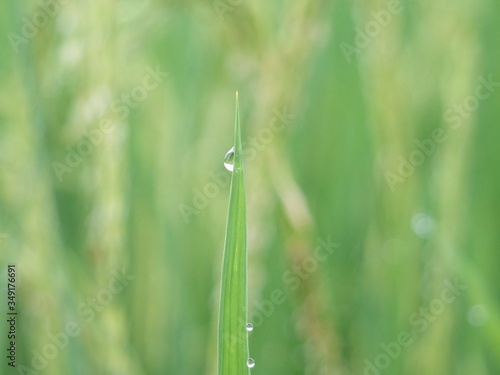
229, 160
249, 327
250, 363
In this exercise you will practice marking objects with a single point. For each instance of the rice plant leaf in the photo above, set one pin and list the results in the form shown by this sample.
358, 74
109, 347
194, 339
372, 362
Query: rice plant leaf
233, 338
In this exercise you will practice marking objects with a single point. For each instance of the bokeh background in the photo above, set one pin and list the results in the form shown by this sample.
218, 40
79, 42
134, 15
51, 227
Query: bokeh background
114, 121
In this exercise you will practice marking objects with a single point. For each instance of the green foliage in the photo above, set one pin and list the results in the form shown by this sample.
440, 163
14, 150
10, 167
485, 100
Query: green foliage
233, 341
113, 118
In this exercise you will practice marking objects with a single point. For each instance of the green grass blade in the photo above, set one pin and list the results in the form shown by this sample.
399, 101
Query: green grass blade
233, 338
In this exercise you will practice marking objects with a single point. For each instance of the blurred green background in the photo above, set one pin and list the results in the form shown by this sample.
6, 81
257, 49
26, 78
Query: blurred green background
369, 124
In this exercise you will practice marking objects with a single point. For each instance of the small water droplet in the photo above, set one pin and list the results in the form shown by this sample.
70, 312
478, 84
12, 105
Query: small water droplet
249, 327
229, 160
250, 363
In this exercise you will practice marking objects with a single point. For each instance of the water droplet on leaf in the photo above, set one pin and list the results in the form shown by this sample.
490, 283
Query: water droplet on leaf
229, 160
249, 327
250, 363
